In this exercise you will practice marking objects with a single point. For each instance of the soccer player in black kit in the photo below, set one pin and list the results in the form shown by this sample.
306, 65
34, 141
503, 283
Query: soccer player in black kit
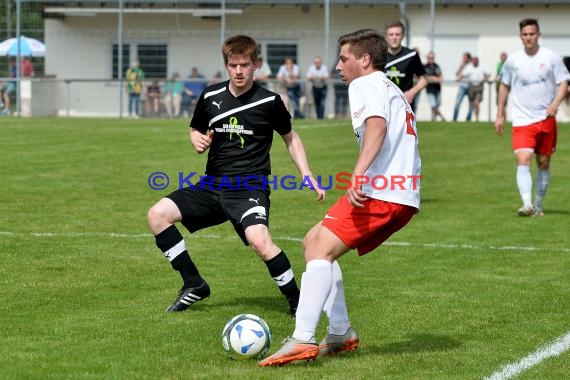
403, 63
235, 121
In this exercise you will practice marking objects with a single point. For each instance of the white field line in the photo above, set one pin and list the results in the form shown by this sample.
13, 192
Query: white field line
555, 348
466, 246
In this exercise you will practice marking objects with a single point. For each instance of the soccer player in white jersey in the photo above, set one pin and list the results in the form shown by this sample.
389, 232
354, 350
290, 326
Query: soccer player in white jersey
373, 208
537, 79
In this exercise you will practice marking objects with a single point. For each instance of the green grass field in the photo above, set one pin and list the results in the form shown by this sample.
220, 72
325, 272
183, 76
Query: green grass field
466, 288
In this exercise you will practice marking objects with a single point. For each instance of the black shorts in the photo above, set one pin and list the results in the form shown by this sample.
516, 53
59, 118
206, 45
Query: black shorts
204, 207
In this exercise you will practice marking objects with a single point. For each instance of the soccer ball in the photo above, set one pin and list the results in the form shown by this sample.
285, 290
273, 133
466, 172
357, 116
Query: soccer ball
246, 336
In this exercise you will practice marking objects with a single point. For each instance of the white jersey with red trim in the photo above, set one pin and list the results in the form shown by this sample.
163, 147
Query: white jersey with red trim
395, 172
533, 81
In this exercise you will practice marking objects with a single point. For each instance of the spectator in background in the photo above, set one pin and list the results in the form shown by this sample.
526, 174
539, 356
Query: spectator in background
9, 86
152, 99
498, 72
340, 96
216, 78
134, 77
173, 90
477, 75
262, 74
318, 75
193, 87
289, 75
463, 89
434, 77
27, 68
403, 63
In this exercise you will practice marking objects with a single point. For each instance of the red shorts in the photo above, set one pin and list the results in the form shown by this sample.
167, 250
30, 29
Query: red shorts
365, 228
540, 137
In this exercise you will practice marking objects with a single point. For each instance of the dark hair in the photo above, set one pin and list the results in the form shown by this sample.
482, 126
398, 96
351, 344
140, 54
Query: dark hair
395, 23
527, 22
242, 45
367, 41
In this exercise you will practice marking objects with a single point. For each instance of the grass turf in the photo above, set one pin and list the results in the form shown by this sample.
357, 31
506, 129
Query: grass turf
464, 289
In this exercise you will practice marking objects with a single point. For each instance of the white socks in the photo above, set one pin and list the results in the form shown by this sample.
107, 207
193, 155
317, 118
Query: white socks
524, 183
316, 285
321, 289
335, 307
542, 181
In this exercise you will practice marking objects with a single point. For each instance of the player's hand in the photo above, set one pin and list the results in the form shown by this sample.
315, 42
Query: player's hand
321, 194
201, 141
409, 96
551, 111
500, 125
356, 196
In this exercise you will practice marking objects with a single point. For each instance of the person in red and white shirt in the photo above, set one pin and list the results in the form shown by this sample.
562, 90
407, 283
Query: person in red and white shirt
27, 68
538, 82
384, 196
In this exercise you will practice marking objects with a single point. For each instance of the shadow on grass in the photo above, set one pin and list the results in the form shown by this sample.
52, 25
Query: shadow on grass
556, 212
268, 304
418, 343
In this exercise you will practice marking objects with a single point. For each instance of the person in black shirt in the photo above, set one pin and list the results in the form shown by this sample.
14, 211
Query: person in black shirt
434, 77
403, 63
234, 121
340, 96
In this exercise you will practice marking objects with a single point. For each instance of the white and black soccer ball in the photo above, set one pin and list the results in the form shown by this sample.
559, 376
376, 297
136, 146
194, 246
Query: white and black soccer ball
246, 336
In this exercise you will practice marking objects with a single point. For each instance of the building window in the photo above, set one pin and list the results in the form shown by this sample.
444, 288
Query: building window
276, 54
152, 59
126, 59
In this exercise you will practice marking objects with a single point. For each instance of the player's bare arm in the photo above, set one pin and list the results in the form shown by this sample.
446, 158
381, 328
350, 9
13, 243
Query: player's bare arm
420, 85
373, 138
561, 92
297, 152
201, 141
500, 119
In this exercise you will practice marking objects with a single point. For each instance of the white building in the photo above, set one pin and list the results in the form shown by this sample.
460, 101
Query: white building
82, 41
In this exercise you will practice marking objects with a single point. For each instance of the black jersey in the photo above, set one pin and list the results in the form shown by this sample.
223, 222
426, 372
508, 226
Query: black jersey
243, 128
433, 70
402, 67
